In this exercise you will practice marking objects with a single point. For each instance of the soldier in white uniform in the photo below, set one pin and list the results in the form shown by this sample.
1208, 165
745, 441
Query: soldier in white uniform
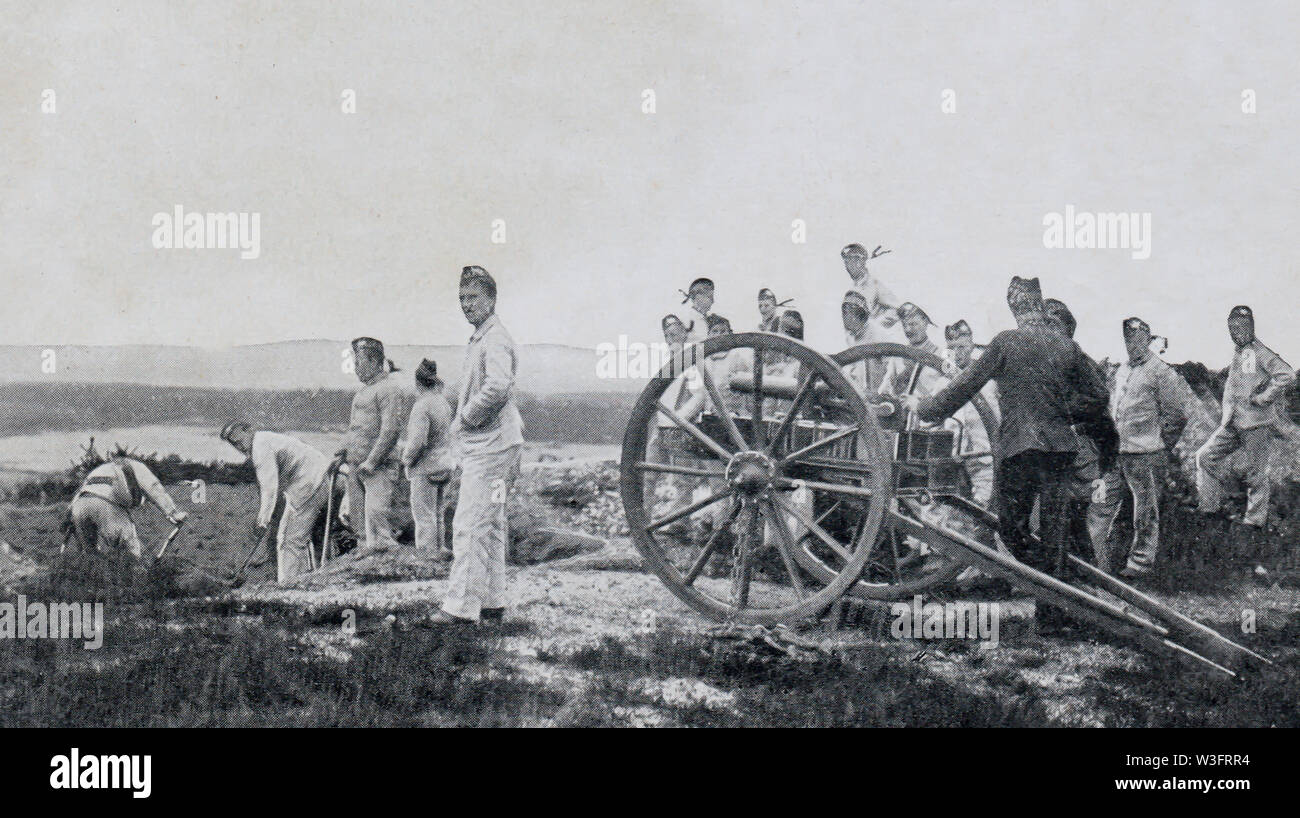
700, 296
427, 459
1257, 378
769, 310
489, 436
976, 450
285, 466
898, 371
380, 411
882, 321
101, 508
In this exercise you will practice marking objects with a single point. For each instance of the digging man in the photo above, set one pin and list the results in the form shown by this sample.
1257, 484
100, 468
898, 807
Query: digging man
101, 508
285, 467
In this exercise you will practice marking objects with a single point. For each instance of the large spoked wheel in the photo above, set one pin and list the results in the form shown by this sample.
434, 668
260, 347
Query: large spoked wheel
753, 483
898, 567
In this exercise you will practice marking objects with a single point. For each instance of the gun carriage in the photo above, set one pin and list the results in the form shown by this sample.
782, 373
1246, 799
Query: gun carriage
806, 487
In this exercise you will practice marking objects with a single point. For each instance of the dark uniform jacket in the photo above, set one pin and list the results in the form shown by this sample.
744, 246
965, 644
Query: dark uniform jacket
1046, 384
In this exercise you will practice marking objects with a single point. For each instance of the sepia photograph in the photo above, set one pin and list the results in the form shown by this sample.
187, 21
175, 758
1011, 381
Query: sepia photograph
650, 363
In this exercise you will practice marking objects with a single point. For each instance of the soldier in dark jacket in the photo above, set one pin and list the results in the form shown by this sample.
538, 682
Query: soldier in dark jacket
1046, 386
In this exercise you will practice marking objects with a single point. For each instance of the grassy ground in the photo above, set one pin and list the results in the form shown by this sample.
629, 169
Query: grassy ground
589, 641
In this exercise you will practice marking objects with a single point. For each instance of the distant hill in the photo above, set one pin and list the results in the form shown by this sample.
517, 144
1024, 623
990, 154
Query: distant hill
544, 369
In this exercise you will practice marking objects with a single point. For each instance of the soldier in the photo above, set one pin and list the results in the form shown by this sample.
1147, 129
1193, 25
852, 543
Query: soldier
490, 438
769, 310
427, 459
700, 296
1256, 379
854, 312
899, 371
285, 467
675, 488
1046, 385
785, 366
882, 320
1095, 486
976, 449
1150, 406
380, 411
101, 509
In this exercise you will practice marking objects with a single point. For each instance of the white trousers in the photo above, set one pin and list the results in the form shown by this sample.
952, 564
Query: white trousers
426, 510
294, 535
480, 531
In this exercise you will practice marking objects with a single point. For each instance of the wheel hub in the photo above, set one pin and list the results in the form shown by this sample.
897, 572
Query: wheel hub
751, 472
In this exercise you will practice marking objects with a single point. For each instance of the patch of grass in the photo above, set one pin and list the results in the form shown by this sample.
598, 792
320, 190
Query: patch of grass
773, 690
249, 676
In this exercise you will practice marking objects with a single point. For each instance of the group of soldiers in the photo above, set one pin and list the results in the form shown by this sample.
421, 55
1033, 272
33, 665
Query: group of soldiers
397, 428
1073, 436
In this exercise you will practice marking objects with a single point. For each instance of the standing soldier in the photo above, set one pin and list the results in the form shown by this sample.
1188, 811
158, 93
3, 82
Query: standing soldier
101, 508
675, 488
490, 438
854, 312
976, 449
285, 467
1150, 406
1095, 486
1257, 377
882, 321
1046, 384
700, 296
899, 371
428, 461
380, 411
769, 311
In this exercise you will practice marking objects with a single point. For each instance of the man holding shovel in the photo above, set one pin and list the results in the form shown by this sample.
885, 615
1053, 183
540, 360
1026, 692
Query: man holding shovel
101, 509
285, 466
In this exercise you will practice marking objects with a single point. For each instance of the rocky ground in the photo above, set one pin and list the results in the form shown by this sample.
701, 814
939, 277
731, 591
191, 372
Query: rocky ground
593, 639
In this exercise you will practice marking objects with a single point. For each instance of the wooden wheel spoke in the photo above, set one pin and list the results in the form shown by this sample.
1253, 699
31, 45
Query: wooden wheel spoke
670, 468
785, 546
818, 445
710, 546
805, 389
695, 432
808, 523
686, 511
741, 572
712, 388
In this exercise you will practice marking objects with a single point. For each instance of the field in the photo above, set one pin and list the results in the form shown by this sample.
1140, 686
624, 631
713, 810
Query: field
589, 640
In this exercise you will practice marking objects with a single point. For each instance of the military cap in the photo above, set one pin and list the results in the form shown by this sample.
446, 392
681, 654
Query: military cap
1135, 325
718, 321
853, 298
365, 344
766, 293
233, 426
1024, 295
1241, 311
854, 249
669, 320
957, 330
697, 283
907, 309
476, 274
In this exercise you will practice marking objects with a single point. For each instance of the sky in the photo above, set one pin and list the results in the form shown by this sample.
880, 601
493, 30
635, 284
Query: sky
532, 113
